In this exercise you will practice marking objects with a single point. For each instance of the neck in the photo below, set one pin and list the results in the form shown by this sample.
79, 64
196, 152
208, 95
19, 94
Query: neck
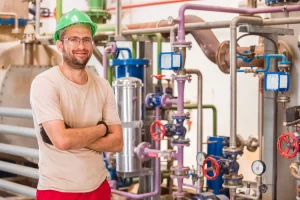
78, 76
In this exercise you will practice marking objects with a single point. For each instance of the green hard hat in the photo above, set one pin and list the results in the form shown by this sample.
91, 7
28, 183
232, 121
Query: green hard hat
71, 18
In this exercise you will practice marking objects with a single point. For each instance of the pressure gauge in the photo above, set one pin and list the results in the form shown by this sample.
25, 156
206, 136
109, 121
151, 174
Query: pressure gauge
200, 158
258, 167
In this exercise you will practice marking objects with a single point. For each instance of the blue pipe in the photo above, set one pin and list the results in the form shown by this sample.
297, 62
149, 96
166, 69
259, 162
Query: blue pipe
268, 59
124, 49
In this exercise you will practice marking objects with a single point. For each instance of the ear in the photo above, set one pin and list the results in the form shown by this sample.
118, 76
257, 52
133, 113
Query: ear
59, 45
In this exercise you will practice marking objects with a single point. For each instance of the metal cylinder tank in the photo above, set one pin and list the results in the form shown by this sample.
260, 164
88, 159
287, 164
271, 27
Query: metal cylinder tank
128, 94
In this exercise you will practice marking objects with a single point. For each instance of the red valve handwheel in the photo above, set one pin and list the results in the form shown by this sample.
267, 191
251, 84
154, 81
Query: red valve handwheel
215, 168
292, 144
162, 130
158, 77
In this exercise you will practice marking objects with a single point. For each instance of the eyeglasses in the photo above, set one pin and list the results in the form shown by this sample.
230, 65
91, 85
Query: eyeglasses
75, 41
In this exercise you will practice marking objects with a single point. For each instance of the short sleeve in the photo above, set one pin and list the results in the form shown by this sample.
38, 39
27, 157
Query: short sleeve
110, 110
44, 100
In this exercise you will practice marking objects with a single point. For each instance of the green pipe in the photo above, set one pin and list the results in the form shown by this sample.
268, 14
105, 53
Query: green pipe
159, 48
96, 4
134, 45
58, 10
106, 28
214, 109
109, 71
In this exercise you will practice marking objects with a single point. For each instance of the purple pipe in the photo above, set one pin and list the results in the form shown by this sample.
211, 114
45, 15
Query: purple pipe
157, 172
109, 49
180, 165
251, 11
180, 99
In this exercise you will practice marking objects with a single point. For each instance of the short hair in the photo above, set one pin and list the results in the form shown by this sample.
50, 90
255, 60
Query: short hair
61, 32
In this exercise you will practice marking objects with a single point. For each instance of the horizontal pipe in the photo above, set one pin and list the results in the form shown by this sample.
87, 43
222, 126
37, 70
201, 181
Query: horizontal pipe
16, 112
17, 188
17, 130
19, 169
209, 25
150, 4
19, 151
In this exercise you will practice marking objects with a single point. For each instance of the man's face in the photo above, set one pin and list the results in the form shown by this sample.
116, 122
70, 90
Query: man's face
76, 45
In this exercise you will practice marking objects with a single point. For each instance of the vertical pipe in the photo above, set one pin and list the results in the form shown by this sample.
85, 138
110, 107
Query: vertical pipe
180, 101
199, 118
233, 86
159, 49
134, 46
109, 72
96, 4
157, 160
28, 54
260, 113
37, 16
180, 165
58, 10
118, 17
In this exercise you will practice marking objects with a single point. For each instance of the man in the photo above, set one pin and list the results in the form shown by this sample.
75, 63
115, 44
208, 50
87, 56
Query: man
75, 118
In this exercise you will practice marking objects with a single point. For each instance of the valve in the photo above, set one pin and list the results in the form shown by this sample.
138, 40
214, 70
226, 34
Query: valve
162, 131
158, 77
291, 145
215, 168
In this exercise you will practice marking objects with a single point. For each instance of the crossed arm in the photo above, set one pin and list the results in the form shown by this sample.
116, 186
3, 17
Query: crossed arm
90, 137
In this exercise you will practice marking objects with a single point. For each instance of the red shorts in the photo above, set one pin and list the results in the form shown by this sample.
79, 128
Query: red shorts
103, 192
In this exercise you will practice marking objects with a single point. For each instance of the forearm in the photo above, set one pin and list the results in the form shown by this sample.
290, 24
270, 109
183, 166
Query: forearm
110, 143
77, 138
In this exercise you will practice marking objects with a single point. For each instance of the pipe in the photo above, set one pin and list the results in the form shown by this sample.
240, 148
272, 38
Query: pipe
19, 169
268, 61
19, 151
150, 4
260, 114
109, 49
159, 49
15, 15
124, 49
95, 5
199, 118
157, 173
118, 17
17, 188
294, 171
28, 54
258, 195
17, 130
16, 112
248, 11
134, 46
58, 10
233, 75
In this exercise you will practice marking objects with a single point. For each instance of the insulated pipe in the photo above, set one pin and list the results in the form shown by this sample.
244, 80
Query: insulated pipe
17, 188
15, 15
16, 112
19, 151
199, 118
109, 49
157, 173
19, 169
249, 11
17, 130
233, 74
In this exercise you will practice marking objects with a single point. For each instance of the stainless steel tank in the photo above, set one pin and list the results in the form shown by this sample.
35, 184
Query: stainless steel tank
128, 94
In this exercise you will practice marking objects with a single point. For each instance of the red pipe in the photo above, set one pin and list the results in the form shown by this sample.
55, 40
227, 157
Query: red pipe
150, 4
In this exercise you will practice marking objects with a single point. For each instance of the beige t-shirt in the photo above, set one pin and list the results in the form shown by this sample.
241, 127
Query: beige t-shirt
54, 97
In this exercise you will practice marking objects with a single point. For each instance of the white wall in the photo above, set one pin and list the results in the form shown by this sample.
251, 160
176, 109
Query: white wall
216, 84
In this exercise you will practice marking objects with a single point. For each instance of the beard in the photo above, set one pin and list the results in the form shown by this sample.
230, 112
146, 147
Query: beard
73, 62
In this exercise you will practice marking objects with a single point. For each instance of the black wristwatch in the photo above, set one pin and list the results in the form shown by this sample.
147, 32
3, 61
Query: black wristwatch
102, 122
